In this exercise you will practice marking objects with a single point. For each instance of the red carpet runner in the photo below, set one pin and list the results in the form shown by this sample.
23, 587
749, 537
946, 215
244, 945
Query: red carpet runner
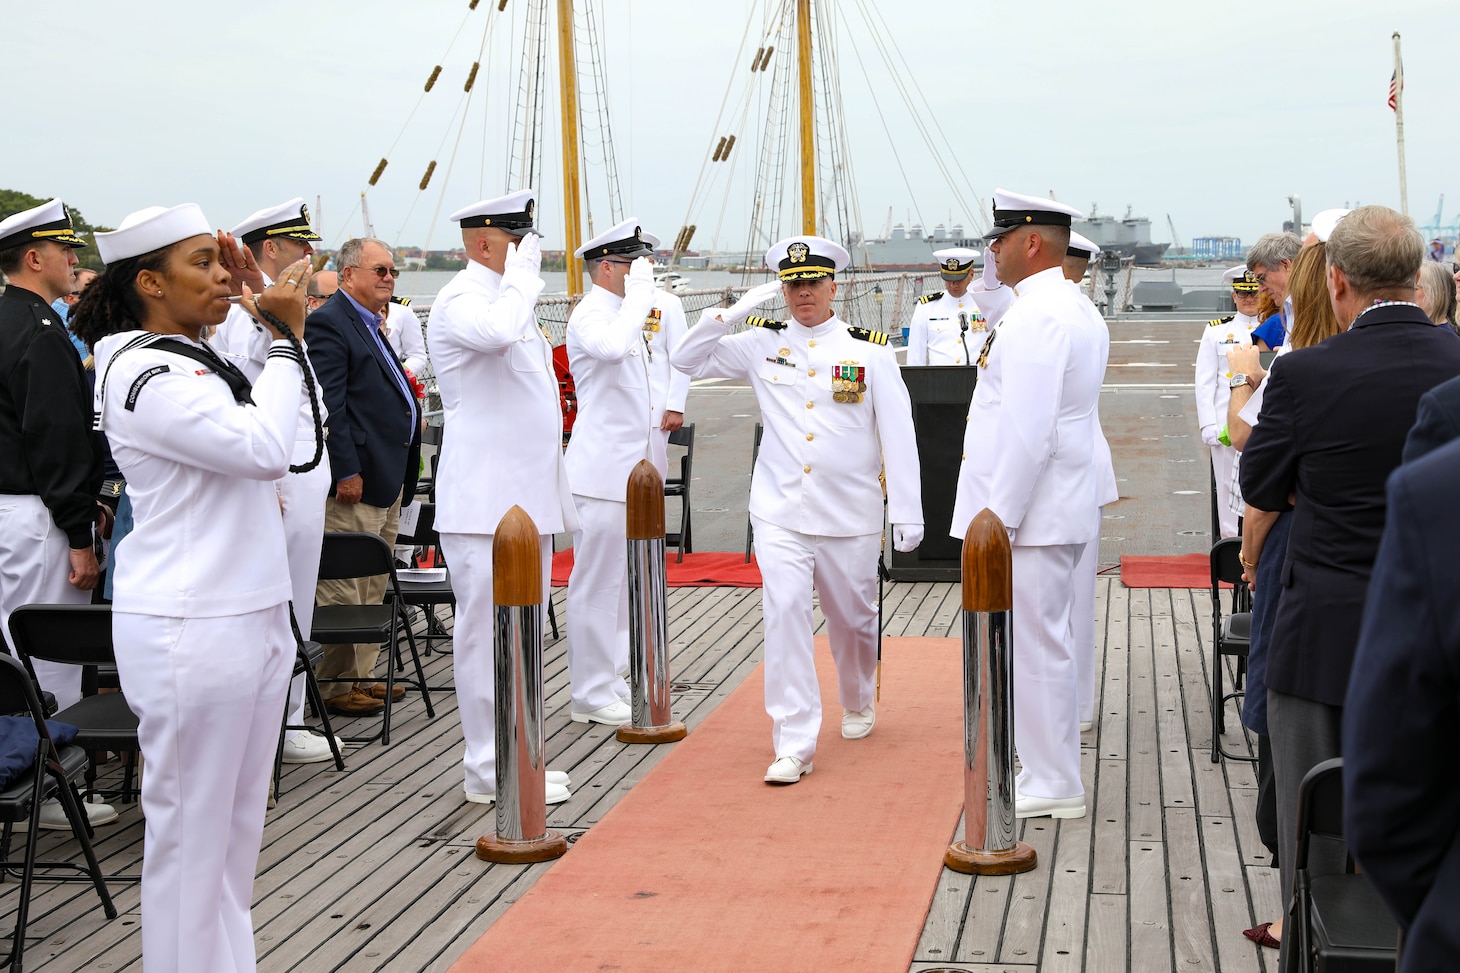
704, 867
712, 569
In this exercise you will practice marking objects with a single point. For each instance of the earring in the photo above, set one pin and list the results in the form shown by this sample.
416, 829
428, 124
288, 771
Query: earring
159, 293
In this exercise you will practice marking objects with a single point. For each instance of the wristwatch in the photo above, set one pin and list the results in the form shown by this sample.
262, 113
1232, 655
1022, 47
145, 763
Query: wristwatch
1239, 379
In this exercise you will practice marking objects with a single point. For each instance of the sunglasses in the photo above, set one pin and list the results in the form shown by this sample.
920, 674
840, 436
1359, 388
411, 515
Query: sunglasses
380, 270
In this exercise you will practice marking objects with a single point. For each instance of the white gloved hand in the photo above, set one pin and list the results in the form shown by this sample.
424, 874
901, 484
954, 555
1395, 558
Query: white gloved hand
906, 537
752, 299
525, 255
990, 272
1209, 435
640, 281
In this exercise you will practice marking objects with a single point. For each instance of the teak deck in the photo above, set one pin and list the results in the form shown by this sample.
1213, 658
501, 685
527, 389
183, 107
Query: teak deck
373, 869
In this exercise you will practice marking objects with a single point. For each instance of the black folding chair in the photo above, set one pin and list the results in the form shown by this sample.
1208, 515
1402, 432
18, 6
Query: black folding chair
50, 775
81, 635
1231, 636
426, 595
678, 486
1343, 924
347, 555
307, 656
754, 455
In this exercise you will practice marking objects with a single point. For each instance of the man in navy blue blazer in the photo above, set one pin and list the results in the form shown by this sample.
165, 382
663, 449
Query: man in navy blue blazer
1401, 721
1437, 422
374, 445
1333, 425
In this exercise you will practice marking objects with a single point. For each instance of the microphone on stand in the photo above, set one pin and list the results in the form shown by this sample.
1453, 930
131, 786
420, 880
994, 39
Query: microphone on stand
963, 336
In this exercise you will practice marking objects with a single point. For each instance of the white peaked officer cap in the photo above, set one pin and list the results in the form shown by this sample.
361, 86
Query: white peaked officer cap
954, 263
626, 240
1082, 247
152, 229
1325, 221
289, 220
806, 258
513, 213
1242, 280
48, 221
1013, 210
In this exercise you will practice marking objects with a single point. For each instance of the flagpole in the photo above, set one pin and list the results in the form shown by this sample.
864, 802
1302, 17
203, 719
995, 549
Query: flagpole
1399, 126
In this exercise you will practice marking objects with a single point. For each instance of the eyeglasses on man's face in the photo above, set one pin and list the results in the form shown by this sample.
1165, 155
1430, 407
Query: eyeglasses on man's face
380, 270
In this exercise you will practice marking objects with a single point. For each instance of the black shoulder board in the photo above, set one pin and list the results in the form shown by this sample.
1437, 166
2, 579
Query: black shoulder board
928, 298
756, 321
402, 301
140, 381
1220, 321
867, 334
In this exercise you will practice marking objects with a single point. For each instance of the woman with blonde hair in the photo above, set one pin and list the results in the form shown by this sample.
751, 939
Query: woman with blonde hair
1434, 291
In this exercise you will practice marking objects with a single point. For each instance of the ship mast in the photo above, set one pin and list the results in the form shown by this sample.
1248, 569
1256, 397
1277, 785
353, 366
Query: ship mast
568, 71
808, 119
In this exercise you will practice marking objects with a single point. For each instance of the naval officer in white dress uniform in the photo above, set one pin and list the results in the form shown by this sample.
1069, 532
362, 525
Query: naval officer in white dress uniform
276, 237
836, 413
1214, 389
947, 327
1029, 457
200, 619
501, 446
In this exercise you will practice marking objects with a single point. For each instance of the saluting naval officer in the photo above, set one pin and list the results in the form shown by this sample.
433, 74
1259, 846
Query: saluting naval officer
836, 414
275, 237
947, 323
620, 342
1082, 619
1029, 456
1214, 385
501, 446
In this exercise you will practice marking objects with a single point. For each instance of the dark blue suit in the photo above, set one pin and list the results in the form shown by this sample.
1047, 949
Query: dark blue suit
372, 431
1437, 422
1401, 726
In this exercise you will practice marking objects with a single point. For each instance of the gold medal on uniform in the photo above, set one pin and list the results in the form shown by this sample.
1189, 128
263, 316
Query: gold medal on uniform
651, 323
983, 356
848, 382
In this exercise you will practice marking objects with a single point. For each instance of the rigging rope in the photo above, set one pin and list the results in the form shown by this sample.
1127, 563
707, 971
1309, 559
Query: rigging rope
465, 114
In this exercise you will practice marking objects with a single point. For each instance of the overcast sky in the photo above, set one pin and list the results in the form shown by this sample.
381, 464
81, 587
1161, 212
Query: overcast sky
1212, 113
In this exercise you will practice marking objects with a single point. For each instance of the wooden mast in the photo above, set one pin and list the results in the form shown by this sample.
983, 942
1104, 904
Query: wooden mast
808, 119
568, 71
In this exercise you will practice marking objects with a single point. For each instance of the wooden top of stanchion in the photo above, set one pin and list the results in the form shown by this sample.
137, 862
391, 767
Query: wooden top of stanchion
646, 503
987, 565
517, 561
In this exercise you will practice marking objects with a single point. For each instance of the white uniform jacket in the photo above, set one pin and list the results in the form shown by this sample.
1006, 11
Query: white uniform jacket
1107, 490
609, 357
1212, 371
209, 539
404, 334
1032, 427
994, 302
935, 335
245, 343
819, 459
503, 439
668, 386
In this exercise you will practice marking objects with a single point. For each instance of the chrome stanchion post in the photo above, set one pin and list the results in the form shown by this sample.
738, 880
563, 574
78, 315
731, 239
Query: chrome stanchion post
989, 846
522, 834
653, 721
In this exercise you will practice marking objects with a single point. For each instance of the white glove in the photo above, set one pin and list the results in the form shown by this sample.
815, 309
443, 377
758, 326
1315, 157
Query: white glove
990, 272
1209, 435
525, 255
640, 281
906, 537
753, 299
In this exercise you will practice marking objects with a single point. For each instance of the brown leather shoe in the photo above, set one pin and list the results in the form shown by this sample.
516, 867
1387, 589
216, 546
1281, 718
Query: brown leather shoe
378, 691
354, 703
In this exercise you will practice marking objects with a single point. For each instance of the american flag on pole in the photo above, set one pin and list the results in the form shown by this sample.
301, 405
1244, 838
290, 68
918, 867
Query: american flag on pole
1396, 85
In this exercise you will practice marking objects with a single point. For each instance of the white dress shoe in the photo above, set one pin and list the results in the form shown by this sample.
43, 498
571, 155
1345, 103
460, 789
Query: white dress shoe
1049, 807
559, 778
858, 723
615, 713
307, 748
53, 815
553, 794
1086, 726
786, 770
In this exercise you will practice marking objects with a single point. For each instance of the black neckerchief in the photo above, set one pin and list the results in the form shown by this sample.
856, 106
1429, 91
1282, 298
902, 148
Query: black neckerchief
238, 383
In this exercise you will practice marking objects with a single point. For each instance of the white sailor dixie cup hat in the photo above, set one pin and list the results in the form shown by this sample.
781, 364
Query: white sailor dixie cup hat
1013, 210
955, 263
807, 258
48, 221
1082, 247
626, 240
513, 213
1323, 223
152, 229
1243, 281
289, 220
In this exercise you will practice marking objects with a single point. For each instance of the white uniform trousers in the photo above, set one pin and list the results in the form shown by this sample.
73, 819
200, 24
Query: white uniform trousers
35, 565
1082, 621
473, 645
1222, 459
1046, 717
844, 573
302, 496
207, 693
598, 605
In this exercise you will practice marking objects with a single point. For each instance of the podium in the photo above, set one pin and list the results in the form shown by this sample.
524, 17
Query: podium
941, 395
